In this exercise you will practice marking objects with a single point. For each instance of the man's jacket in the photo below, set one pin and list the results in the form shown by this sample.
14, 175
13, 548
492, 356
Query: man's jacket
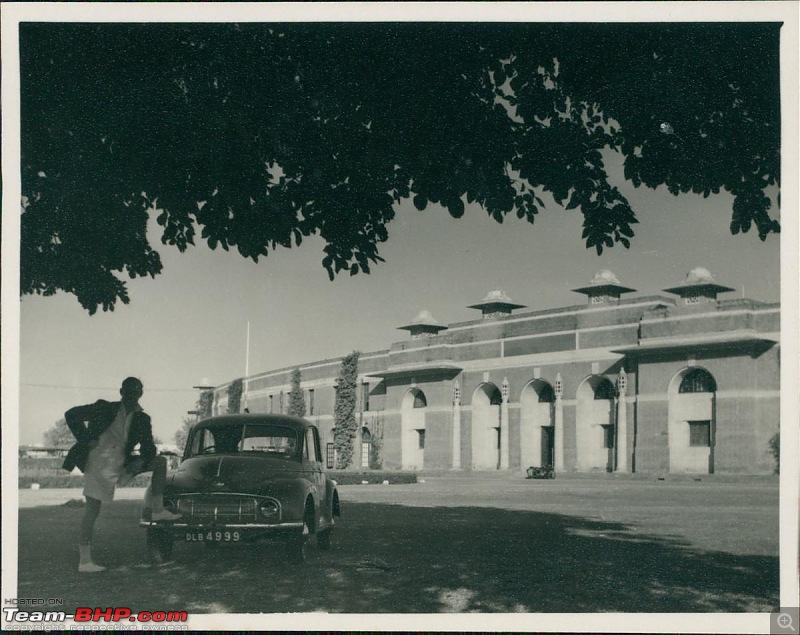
88, 422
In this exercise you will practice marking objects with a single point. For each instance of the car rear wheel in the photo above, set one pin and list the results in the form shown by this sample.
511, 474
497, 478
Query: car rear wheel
159, 545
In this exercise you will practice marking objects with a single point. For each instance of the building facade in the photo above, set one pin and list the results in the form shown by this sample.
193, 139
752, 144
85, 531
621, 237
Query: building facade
677, 383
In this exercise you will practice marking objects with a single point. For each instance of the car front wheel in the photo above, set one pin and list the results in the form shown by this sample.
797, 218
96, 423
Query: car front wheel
159, 545
298, 540
297, 547
324, 539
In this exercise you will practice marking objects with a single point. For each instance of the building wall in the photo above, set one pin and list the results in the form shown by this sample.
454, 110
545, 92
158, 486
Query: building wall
653, 338
438, 446
392, 459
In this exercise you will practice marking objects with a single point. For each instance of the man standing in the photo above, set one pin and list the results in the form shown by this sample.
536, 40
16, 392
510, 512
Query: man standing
107, 433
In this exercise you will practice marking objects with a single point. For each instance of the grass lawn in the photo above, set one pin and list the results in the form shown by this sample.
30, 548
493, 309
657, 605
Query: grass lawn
450, 544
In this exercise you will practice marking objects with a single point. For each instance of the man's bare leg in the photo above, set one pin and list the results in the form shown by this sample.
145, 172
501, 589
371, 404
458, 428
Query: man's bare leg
90, 514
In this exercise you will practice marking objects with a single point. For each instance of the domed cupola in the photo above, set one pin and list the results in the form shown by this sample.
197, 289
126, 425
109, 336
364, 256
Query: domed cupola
604, 287
424, 325
496, 304
699, 287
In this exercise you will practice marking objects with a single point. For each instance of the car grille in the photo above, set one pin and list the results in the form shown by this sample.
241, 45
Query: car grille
221, 508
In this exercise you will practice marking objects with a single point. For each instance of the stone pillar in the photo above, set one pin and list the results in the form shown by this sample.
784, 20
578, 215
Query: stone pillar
622, 423
504, 461
558, 433
456, 427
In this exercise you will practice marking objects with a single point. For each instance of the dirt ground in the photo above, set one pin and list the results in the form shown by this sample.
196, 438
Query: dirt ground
496, 543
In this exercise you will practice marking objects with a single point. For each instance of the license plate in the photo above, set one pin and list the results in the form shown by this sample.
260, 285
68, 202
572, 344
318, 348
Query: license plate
213, 536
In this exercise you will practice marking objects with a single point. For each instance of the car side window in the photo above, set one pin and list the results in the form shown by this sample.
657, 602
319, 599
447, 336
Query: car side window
311, 450
207, 442
202, 440
196, 441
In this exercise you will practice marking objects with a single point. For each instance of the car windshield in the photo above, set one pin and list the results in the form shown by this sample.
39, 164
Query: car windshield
251, 438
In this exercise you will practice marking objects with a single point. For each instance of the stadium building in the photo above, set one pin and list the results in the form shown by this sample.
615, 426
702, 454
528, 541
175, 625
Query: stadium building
680, 382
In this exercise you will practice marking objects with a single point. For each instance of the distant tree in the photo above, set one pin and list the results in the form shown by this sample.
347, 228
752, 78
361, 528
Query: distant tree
297, 400
203, 408
182, 433
326, 127
775, 450
59, 435
235, 396
344, 412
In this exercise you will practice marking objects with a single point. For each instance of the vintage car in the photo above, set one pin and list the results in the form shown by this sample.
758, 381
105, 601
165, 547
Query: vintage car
243, 478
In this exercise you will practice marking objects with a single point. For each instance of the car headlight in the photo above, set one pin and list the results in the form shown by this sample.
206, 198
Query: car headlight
269, 509
170, 505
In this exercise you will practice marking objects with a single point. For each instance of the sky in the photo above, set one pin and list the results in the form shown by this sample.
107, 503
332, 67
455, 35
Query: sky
188, 326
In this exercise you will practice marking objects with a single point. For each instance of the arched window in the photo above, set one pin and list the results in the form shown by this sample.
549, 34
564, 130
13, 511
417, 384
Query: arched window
495, 399
697, 380
604, 390
419, 399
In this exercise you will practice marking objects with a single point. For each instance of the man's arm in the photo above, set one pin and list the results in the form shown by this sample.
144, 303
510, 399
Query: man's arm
77, 418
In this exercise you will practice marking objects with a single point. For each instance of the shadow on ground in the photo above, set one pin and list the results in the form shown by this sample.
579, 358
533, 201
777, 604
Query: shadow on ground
400, 559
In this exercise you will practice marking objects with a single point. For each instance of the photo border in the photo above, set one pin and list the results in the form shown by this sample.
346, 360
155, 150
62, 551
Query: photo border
14, 13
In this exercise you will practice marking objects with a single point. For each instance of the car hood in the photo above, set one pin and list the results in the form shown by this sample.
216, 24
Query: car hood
226, 473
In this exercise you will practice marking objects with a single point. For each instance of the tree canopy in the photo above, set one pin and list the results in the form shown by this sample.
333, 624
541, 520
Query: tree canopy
182, 434
255, 136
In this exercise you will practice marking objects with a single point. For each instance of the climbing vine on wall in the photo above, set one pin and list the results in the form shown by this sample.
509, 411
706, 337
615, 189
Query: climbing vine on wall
204, 404
235, 395
297, 401
345, 411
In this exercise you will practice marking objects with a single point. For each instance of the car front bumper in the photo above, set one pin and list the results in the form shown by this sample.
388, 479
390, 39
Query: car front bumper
163, 524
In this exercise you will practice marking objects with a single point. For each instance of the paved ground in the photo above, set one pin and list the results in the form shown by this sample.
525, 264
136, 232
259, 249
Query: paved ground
450, 544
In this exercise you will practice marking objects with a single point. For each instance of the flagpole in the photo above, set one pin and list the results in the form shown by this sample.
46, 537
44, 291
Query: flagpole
247, 352
246, 366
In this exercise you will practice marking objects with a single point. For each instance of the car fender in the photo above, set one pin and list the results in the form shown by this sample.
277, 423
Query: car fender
292, 494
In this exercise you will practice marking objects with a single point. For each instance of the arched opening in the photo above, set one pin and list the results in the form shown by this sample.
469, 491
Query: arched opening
595, 434
692, 421
486, 427
366, 447
537, 419
697, 380
412, 414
